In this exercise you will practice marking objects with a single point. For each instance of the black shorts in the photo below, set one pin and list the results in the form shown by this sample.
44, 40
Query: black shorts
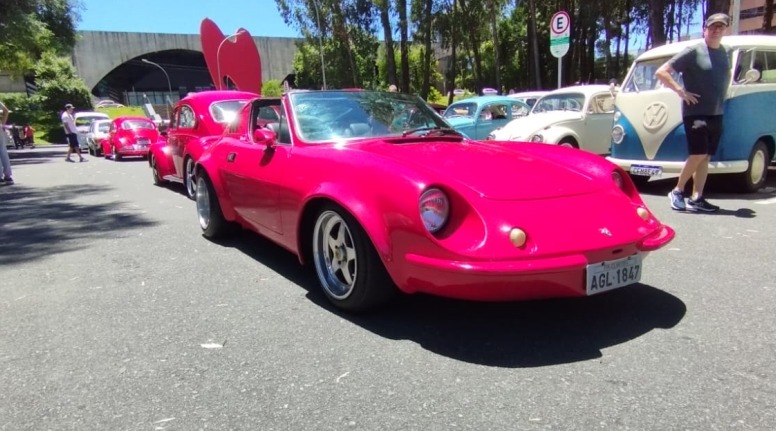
72, 140
703, 133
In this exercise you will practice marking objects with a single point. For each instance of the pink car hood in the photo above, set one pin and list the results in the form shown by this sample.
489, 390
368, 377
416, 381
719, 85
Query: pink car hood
491, 171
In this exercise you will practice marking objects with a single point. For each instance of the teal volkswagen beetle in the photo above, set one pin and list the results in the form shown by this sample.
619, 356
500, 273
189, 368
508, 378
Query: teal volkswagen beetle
478, 116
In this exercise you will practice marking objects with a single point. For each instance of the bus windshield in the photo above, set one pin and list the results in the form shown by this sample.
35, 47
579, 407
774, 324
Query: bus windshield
642, 78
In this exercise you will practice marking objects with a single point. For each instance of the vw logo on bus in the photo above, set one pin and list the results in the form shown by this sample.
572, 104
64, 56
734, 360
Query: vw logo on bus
655, 116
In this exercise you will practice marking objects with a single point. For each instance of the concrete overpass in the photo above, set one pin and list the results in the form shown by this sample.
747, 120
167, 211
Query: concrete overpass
109, 62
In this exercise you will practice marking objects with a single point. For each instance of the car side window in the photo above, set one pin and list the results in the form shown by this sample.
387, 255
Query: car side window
174, 119
601, 104
284, 132
519, 110
186, 118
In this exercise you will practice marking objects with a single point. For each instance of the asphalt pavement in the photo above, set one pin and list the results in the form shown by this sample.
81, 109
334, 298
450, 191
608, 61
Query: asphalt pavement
117, 314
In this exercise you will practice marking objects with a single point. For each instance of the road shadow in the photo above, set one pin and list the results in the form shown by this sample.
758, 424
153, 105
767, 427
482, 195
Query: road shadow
38, 222
510, 334
37, 155
717, 187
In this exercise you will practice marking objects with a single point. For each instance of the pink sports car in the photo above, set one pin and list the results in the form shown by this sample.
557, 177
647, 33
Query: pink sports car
129, 137
197, 118
378, 207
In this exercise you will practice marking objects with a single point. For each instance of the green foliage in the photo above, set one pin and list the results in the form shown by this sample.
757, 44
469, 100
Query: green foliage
31, 27
271, 88
59, 85
124, 111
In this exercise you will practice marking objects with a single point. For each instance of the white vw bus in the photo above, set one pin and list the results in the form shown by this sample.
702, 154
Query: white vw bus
648, 137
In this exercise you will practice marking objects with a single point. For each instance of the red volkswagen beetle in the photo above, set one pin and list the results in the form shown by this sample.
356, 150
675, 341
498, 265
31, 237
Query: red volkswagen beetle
129, 137
195, 118
379, 206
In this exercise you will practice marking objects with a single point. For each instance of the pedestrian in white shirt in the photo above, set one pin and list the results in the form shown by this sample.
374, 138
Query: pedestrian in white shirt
68, 122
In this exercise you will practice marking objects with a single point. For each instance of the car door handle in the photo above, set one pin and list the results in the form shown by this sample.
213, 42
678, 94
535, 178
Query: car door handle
230, 157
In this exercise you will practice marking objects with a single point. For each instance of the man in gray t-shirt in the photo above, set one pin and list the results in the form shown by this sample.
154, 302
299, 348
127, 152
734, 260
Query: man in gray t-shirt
705, 70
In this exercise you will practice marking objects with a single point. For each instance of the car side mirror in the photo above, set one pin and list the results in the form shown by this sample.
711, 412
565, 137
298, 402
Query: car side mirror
264, 136
752, 75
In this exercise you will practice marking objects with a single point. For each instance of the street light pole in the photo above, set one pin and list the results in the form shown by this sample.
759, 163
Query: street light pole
231, 38
169, 87
320, 42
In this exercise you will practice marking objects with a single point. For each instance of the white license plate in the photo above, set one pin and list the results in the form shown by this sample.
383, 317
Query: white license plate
604, 276
646, 171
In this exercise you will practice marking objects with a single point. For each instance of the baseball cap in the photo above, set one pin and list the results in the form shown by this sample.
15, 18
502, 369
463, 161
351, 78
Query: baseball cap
68, 106
718, 18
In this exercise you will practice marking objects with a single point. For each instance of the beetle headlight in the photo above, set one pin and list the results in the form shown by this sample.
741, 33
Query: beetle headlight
434, 209
618, 134
537, 138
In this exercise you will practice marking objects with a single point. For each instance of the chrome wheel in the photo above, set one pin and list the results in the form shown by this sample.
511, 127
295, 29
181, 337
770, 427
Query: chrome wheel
190, 179
203, 203
334, 254
115, 154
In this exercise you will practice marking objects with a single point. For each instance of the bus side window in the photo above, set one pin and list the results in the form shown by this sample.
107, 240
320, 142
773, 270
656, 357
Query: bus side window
768, 67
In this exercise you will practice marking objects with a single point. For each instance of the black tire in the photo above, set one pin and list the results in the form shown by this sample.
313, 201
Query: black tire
639, 180
115, 154
349, 269
189, 178
158, 181
568, 142
211, 219
757, 172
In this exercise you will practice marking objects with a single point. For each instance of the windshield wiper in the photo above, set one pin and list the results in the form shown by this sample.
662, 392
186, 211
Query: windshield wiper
431, 131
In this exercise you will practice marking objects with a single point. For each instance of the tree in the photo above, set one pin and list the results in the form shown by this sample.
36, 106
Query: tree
58, 84
31, 27
768, 17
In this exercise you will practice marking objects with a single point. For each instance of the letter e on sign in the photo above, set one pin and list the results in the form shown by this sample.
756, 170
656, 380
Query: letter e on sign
560, 30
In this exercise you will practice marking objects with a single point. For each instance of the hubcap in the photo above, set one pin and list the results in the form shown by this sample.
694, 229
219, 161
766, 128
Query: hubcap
154, 170
191, 181
758, 167
335, 255
203, 204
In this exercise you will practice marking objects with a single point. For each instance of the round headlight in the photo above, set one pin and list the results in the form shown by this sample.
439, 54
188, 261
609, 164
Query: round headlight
618, 134
434, 209
537, 138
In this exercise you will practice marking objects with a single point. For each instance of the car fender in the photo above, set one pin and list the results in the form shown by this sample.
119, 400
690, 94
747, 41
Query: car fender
161, 153
197, 147
555, 134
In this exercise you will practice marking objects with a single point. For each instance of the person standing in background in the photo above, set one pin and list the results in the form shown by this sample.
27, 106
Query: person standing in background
5, 161
68, 122
28, 136
705, 70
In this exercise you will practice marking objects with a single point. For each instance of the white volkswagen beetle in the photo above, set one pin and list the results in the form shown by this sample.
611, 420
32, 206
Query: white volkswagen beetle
579, 116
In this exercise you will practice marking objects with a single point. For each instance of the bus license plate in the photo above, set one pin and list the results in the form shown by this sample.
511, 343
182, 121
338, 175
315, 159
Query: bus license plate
611, 274
646, 171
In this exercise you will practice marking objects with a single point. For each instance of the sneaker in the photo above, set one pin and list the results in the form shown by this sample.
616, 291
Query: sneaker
701, 205
8, 180
82, 159
69, 160
677, 200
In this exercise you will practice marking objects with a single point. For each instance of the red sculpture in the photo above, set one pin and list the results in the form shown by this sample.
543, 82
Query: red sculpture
233, 57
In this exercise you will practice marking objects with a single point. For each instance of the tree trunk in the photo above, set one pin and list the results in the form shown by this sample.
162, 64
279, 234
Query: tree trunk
534, 42
424, 90
494, 11
453, 43
657, 27
390, 54
768, 17
401, 6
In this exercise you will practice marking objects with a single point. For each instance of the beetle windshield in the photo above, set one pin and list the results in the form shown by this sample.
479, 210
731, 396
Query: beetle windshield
137, 124
350, 114
560, 102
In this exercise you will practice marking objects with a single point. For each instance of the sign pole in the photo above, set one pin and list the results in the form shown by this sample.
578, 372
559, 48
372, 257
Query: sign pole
560, 32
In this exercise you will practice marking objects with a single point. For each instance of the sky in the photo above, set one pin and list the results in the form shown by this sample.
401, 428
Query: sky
259, 17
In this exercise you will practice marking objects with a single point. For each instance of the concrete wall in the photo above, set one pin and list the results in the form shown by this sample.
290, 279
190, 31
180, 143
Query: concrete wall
10, 85
97, 53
